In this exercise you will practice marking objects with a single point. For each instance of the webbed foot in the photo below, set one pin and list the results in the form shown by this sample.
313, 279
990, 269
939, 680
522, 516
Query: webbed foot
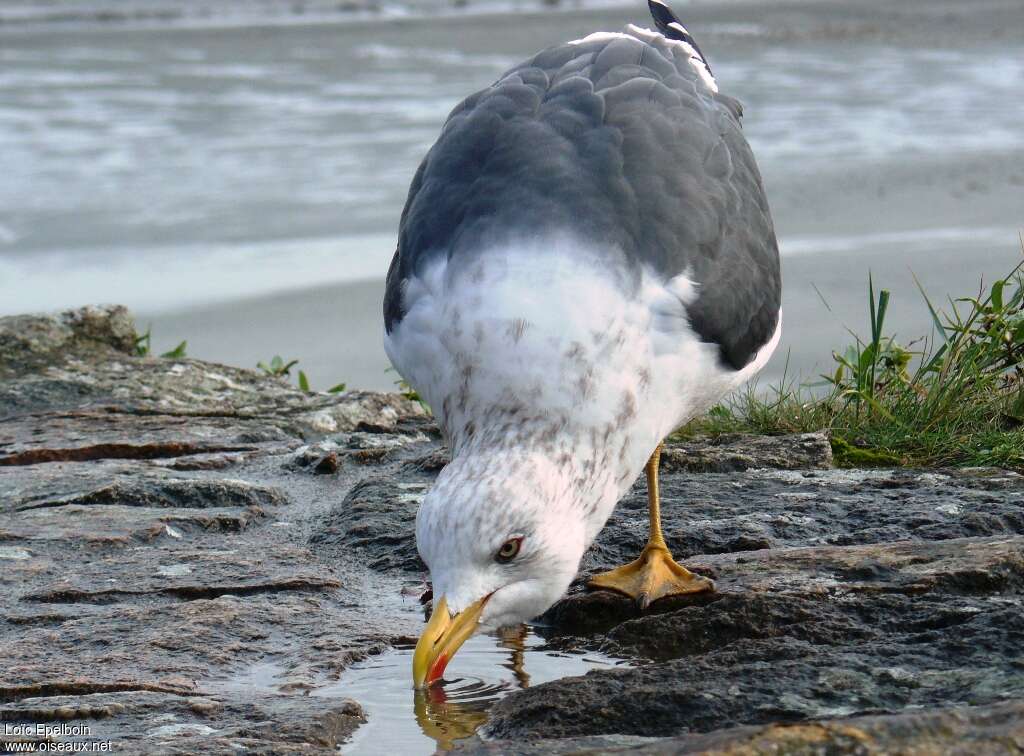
651, 577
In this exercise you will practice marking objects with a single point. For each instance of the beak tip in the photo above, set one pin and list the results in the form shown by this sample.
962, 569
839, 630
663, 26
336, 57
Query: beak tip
442, 637
424, 680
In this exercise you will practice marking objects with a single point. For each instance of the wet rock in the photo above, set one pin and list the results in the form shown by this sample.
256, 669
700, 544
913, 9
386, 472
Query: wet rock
215, 461
174, 574
31, 342
157, 617
735, 452
963, 731
327, 465
433, 461
119, 433
358, 447
144, 721
148, 557
356, 410
120, 406
797, 634
182, 574
163, 492
377, 521
122, 525
760, 509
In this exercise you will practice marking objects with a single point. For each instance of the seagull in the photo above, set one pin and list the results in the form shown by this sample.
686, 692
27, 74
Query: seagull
586, 261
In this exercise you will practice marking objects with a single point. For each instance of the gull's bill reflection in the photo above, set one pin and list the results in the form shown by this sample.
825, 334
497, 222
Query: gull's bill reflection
446, 717
455, 709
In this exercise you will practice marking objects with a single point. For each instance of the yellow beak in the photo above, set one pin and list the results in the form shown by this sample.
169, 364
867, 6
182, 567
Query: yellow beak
442, 637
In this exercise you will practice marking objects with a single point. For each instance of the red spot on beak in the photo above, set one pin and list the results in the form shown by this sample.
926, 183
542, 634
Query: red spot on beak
437, 670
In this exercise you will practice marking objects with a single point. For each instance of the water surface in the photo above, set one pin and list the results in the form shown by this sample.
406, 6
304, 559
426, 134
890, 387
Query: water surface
403, 721
487, 668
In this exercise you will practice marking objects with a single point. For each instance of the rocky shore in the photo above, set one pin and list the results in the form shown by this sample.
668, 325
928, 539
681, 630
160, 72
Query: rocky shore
169, 527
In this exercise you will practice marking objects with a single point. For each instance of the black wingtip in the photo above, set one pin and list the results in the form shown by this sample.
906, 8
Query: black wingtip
663, 16
672, 28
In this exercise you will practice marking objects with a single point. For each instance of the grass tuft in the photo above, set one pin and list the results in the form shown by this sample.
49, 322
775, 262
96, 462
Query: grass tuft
144, 347
954, 398
406, 390
281, 368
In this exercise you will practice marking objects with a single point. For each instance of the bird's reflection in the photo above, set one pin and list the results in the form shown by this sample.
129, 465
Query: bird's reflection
453, 710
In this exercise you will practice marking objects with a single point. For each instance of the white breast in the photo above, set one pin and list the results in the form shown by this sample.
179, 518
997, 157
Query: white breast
559, 345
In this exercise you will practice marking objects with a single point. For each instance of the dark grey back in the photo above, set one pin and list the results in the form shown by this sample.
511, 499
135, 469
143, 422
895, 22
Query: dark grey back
620, 143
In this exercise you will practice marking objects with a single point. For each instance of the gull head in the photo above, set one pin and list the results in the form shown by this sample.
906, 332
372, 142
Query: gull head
502, 535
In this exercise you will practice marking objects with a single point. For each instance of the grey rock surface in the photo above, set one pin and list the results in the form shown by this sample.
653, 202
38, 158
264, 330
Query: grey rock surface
799, 634
153, 563
768, 508
957, 731
735, 452
189, 550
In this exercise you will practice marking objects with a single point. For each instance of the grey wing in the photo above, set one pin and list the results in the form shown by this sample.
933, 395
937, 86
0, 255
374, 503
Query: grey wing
700, 201
620, 140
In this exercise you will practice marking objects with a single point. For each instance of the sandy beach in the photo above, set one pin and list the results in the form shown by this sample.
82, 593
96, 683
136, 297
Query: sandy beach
245, 182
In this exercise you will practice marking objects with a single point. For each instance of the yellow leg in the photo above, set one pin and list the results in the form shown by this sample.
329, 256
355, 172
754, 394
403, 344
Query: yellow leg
655, 574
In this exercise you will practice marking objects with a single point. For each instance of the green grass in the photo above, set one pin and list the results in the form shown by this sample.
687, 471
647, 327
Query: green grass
276, 367
144, 346
280, 368
408, 391
954, 398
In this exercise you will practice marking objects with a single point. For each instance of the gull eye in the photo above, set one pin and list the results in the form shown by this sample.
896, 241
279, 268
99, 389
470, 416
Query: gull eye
509, 550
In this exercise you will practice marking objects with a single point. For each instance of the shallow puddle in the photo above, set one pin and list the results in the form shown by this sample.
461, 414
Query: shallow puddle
488, 667
403, 721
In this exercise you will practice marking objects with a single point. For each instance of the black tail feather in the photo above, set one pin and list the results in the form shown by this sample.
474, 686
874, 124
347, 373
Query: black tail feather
672, 27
